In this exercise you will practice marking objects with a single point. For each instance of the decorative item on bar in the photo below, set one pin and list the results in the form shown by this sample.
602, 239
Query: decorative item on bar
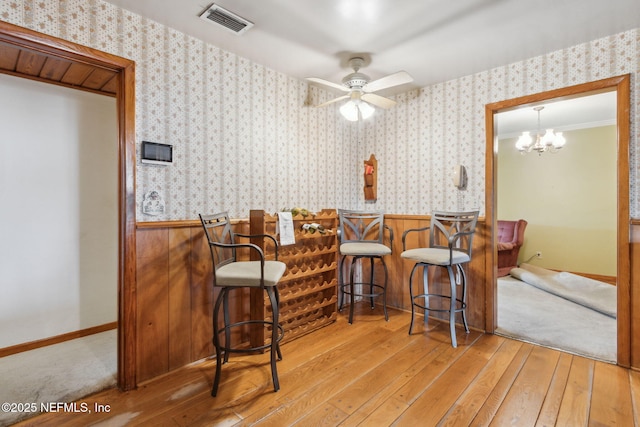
313, 227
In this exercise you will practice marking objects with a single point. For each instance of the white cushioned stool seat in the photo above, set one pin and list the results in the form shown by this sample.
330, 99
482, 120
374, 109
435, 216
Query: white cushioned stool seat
364, 249
247, 273
435, 256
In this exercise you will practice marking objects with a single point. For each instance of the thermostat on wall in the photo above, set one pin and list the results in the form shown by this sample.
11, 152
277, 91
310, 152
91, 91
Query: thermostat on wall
156, 153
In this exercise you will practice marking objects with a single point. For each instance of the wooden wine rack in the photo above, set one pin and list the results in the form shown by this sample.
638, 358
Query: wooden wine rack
308, 296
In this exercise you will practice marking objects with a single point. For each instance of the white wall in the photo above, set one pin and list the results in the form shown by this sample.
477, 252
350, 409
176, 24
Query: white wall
58, 192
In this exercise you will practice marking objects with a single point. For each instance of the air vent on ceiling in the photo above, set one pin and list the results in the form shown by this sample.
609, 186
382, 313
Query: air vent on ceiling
227, 19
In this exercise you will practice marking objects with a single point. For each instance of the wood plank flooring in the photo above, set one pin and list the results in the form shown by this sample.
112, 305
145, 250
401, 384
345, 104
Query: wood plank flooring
372, 373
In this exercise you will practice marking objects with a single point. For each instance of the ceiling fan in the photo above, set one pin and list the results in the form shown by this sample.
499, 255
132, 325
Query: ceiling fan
361, 89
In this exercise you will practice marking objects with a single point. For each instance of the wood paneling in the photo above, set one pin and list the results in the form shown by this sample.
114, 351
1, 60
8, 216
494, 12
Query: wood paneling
175, 296
153, 303
395, 265
179, 295
202, 296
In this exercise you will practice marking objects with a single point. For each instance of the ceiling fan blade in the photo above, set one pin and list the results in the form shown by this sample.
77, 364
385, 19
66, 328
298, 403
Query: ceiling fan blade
378, 101
328, 83
340, 98
395, 79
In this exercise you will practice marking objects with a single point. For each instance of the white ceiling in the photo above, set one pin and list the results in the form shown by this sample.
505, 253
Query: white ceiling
567, 114
433, 40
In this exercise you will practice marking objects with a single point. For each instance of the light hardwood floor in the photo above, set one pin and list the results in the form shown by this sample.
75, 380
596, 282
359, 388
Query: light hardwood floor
372, 373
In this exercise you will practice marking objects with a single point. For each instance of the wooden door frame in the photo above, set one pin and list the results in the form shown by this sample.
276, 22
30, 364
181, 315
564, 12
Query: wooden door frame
41, 44
621, 84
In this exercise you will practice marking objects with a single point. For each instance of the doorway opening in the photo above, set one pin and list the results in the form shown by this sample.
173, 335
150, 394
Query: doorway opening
621, 86
24, 54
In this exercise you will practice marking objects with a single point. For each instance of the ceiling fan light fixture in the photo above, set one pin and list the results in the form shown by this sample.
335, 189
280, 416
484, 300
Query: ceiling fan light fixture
352, 110
366, 110
361, 91
349, 111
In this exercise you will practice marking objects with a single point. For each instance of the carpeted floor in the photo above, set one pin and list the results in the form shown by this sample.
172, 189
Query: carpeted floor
62, 372
531, 314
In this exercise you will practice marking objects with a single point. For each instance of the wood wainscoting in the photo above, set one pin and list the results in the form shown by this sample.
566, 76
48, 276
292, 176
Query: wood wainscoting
175, 295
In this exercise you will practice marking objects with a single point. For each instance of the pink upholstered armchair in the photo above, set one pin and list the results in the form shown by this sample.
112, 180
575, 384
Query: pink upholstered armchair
510, 238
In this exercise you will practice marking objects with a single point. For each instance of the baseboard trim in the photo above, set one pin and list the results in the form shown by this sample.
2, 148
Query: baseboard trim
19, 348
612, 280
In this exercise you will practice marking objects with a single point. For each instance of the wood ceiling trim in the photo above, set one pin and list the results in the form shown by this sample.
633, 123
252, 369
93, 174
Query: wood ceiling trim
76, 74
54, 69
8, 57
98, 78
40, 66
30, 63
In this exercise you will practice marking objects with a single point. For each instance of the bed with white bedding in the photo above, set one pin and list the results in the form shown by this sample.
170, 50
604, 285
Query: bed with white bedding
559, 310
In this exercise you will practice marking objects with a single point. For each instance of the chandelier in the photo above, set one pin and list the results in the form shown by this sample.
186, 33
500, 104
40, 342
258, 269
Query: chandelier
549, 142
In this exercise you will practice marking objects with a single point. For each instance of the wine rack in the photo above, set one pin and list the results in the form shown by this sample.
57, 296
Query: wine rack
308, 296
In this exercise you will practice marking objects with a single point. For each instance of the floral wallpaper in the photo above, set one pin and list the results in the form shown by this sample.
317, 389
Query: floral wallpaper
244, 136
418, 143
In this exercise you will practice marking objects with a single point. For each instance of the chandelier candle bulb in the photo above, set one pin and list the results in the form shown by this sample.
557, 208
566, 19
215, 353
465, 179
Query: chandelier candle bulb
550, 141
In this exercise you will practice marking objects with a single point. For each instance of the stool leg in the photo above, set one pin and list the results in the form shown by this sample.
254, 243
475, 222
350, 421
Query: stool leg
274, 337
371, 261
341, 284
227, 322
425, 291
452, 307
413, 307
464, 298
277, 294
216, 343
352, 289
384, 291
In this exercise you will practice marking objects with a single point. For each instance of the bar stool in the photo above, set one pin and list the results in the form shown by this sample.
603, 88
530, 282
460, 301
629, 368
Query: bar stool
228, 274
450, 244
361, 236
